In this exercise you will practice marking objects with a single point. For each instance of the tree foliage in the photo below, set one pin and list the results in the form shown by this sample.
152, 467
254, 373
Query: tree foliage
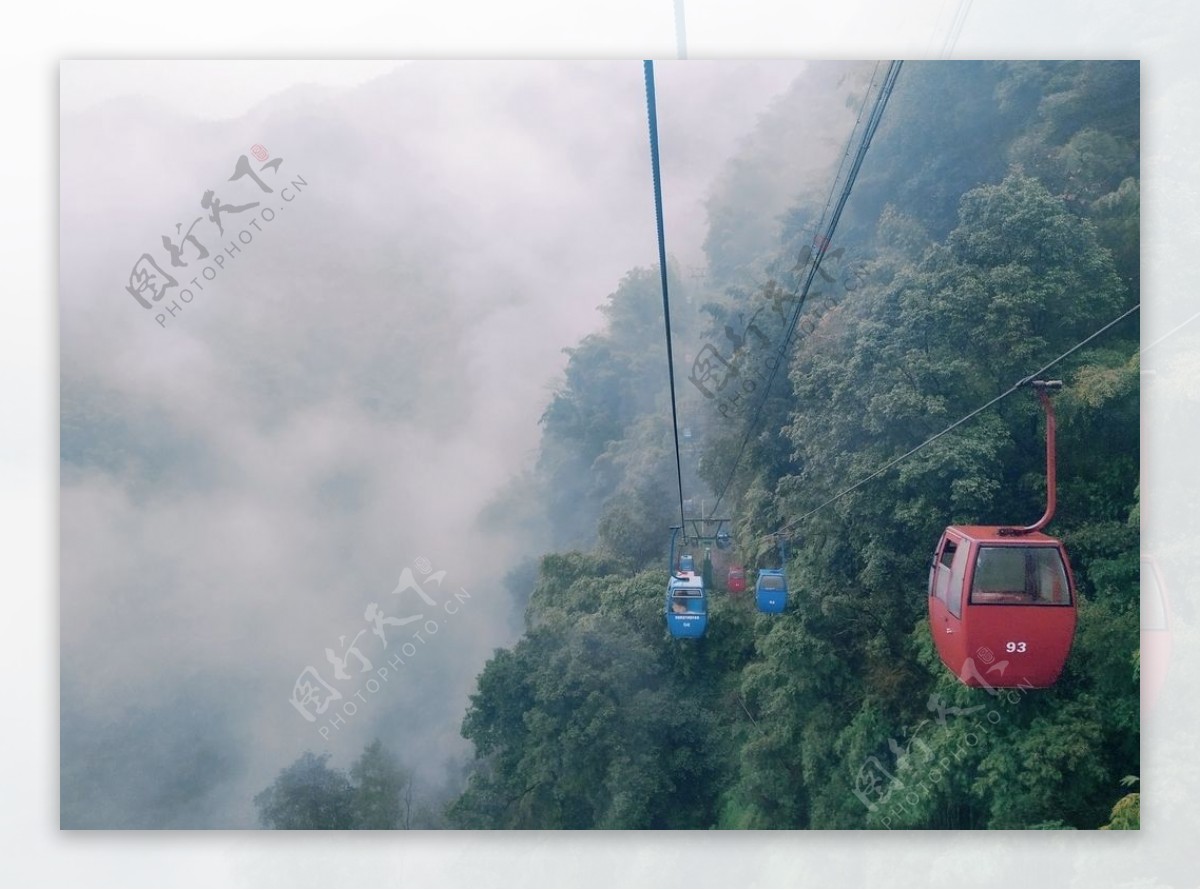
994, 227
382, 790
310, 794
307, 795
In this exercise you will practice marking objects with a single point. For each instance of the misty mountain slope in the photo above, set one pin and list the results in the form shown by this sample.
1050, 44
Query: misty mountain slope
338, 399
970, 269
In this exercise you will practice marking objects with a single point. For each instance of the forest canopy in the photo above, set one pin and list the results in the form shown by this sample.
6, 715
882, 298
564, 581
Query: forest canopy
993, 228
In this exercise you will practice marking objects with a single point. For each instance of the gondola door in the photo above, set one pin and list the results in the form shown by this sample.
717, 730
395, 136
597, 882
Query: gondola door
950, 563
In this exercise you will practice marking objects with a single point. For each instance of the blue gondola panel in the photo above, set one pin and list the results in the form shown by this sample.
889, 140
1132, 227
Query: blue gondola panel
771, 591
686, 606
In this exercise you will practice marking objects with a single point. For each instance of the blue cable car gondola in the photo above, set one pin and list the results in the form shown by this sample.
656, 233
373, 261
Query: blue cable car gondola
686, 606
771, 591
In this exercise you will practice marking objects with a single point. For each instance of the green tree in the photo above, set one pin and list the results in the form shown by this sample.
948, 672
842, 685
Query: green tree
382, 790
1126, 813
307, 795
585, 723
633, 524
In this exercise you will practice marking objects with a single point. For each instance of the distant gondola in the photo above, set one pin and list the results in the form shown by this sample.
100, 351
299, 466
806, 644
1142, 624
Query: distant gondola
771, 591
686, 606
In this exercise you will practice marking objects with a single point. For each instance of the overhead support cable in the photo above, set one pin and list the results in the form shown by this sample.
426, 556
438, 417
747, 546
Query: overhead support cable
821, 248
652, 114
966, 417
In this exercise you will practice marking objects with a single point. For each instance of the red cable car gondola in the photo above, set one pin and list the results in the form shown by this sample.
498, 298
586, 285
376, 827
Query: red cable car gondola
1002, 604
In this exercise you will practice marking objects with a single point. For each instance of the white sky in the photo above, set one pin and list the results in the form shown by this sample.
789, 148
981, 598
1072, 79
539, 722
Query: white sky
215, 90
216, 86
